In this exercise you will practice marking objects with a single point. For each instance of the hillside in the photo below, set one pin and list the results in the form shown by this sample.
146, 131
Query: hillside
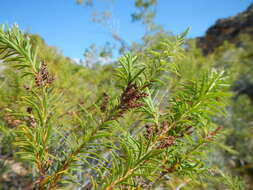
228, 29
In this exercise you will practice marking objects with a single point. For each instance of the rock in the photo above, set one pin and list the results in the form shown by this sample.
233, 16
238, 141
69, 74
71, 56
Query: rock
228, 29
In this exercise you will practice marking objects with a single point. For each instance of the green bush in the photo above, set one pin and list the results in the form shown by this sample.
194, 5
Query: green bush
152, 125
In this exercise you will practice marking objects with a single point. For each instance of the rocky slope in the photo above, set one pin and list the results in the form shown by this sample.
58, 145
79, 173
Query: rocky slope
228, 29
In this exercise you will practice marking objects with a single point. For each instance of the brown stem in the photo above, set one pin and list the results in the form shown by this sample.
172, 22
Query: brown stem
65, 166
57, 176
113, 184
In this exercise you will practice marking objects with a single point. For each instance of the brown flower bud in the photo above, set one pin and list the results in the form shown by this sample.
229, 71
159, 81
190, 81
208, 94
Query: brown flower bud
43, 77
167, 142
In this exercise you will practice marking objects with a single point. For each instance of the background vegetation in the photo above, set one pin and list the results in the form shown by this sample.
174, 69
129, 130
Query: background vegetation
164, 115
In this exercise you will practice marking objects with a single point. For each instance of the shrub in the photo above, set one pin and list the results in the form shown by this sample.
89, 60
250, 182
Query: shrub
132, 136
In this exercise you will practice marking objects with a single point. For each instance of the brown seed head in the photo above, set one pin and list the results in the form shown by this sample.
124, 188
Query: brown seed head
130, 97
167, 142
105, 102
149, 131
43, 77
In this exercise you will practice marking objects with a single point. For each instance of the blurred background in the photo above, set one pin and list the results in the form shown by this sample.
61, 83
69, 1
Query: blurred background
82, 39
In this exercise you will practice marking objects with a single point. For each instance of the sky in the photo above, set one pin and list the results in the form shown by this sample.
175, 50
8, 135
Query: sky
68, 26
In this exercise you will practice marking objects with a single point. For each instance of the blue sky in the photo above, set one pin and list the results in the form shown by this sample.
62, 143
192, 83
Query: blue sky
68, 26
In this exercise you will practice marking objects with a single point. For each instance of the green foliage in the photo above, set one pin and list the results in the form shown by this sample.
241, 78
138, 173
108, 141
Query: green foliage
146, 13
72, 130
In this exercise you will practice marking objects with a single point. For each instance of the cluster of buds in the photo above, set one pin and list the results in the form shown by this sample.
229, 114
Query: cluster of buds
130, 99
150, 131
166, 140
153, 130
105, 102
12, 122
43, 77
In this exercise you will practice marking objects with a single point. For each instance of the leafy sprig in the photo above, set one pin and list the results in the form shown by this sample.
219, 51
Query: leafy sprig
164, 142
